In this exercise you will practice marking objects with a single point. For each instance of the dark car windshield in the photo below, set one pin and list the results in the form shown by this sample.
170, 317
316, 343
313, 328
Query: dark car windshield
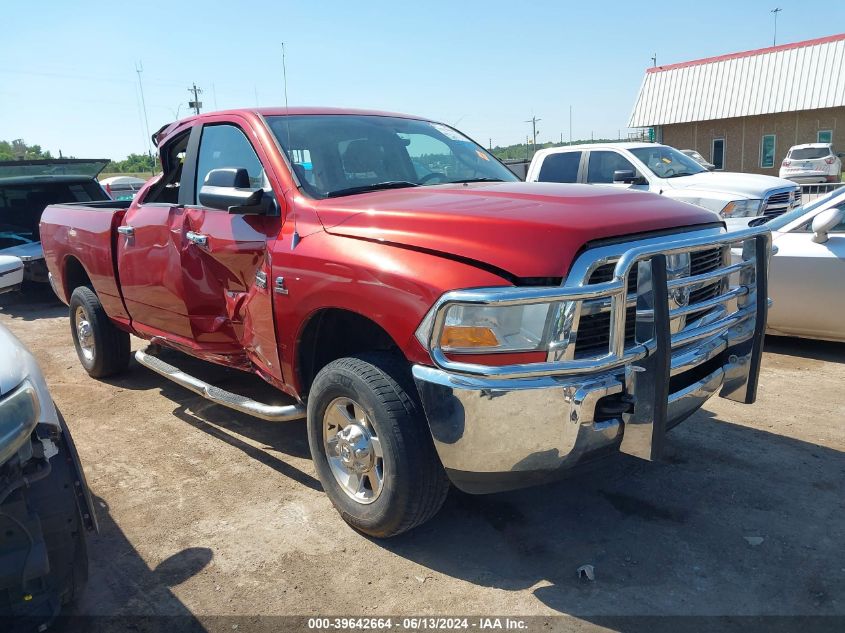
336, 155
809, 153
667, 162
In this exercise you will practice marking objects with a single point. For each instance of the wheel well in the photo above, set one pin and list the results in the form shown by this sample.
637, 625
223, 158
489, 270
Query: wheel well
334, 333
75, 275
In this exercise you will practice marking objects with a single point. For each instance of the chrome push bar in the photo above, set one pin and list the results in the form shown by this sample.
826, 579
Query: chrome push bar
653, 313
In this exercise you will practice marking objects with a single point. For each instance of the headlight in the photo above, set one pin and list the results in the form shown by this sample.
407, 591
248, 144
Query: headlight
480, 329
19, 411
741, 209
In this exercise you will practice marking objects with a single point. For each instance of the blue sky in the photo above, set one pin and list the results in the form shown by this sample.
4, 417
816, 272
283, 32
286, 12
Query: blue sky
68, 80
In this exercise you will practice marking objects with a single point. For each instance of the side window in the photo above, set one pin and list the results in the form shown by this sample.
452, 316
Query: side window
562, 167
603, 164
226, 146
166, 190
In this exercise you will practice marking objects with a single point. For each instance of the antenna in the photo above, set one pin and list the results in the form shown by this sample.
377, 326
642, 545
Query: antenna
775, 12
294, 240
139, 68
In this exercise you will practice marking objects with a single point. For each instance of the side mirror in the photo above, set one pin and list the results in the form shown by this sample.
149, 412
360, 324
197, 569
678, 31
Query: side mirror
228, 189
825, 221
627, 176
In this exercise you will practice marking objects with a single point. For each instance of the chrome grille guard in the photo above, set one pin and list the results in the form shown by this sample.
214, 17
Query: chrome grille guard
653, 314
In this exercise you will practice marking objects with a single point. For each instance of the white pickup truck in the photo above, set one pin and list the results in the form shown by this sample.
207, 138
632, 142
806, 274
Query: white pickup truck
667, 171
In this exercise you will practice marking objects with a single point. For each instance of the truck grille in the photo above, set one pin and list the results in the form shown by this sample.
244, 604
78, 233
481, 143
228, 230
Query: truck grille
594, 329
781, 201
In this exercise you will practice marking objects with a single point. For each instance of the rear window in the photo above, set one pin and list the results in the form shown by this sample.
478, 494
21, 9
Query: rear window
809, 153
561, 167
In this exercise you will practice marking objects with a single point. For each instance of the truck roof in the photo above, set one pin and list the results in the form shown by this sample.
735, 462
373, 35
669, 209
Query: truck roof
583, 146
297, 110
279, 111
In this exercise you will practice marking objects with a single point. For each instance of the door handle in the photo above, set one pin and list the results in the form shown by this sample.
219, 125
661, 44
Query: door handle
197, 238
128, 231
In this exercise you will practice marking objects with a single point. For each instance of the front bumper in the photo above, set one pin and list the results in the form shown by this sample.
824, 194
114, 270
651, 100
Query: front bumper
496, 433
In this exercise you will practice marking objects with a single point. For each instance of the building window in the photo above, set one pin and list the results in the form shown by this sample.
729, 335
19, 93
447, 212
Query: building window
767, 151
824, 136
717, 153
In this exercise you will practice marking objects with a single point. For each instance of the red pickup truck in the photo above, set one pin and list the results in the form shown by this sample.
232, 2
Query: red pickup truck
433, 318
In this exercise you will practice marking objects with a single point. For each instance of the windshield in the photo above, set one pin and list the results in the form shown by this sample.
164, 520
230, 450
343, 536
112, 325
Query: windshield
667, 162
809, 153
336, 155
837, 195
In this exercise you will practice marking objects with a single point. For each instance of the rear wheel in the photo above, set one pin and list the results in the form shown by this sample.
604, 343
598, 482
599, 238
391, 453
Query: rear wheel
371, 445
102, 349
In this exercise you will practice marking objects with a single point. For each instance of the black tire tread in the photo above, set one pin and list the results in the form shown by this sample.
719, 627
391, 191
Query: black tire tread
389, 378
112, 353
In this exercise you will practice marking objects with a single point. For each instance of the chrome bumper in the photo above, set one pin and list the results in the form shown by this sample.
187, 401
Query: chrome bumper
494, 435
499, 431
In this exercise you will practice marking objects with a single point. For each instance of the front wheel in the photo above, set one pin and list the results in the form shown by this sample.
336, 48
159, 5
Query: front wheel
371, 445
102, 349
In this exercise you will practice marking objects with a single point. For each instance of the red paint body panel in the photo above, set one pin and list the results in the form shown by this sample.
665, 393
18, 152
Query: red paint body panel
522, 228
88, 236
385, 255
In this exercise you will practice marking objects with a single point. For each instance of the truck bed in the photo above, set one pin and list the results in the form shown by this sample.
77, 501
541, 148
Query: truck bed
83, 234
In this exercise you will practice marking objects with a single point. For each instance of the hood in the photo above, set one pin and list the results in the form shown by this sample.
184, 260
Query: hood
752, 186
27, 252
526, 229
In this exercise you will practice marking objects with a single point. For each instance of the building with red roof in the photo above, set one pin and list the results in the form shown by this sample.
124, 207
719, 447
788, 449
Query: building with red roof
743, 111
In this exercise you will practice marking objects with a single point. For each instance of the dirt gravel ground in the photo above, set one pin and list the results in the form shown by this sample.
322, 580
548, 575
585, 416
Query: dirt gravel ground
204, 511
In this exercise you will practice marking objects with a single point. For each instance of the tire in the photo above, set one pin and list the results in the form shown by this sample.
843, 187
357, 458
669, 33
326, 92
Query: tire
54, 501
104, 350
414, 484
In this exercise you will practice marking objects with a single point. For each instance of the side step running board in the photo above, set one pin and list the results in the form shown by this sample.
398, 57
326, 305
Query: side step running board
243, 404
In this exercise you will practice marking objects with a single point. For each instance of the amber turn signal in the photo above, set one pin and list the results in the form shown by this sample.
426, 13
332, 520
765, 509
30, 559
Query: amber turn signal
466, 336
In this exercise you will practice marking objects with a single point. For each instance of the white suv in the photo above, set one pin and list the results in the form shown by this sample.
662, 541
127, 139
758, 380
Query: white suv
811, 163
665, 170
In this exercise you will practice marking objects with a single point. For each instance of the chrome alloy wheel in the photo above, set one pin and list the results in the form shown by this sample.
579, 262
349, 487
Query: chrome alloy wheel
353, 450
84, 334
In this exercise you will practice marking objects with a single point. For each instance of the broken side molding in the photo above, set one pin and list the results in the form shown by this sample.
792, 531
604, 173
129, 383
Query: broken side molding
273, 413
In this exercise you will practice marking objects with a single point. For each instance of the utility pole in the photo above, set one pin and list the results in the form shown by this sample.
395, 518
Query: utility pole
196, 104
533, 121
775, 12
139, 68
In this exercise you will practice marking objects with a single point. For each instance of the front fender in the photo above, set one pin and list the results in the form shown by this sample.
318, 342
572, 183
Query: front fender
391, 285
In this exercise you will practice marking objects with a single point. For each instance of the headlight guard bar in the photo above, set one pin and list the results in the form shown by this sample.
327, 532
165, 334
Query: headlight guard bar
750, 294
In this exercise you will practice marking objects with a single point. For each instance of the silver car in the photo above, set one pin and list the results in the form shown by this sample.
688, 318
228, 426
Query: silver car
807, 274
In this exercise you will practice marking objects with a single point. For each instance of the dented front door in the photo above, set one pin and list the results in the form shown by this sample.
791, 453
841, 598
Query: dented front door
225, 262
